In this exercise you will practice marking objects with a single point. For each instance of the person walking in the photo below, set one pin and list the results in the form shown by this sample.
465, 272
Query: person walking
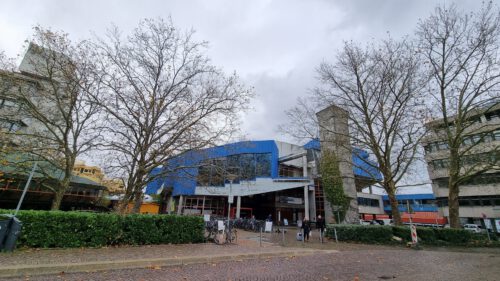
306, 226
320, 225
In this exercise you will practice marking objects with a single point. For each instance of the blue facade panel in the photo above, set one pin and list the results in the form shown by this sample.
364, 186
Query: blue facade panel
183, 170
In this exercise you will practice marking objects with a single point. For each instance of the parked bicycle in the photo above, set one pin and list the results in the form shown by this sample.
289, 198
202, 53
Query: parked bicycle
220, 234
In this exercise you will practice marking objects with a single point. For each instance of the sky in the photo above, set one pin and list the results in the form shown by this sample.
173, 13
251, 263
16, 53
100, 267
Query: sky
274, 46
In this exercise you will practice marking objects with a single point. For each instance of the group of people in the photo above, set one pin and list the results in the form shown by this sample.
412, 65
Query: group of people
306, 226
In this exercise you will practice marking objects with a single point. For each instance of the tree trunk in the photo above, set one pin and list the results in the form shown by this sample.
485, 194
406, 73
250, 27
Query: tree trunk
453, 188
137, 202
453, 205
59, 194
123, 204
391, 193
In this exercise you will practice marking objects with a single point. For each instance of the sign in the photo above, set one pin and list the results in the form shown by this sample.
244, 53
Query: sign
497, 224
487, 223
285, 222
220, 225
414, 238
230, 199
269, 226
206, 217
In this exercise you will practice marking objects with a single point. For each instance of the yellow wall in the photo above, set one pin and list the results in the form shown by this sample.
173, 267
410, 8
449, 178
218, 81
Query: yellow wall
147, 208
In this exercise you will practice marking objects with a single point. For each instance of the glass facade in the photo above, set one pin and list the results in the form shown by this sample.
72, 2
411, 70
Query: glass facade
246, 166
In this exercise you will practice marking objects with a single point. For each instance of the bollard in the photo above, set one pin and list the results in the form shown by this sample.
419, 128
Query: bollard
261, 236
335, 232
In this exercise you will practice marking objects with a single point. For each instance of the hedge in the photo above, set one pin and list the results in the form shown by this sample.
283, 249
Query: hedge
361, 233
49, 229
428, 236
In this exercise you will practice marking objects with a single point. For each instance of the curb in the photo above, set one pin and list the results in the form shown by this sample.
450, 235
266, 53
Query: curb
44, 269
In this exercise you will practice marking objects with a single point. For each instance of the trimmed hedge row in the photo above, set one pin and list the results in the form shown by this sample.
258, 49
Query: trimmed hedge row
360, 233
49, 229
429, 236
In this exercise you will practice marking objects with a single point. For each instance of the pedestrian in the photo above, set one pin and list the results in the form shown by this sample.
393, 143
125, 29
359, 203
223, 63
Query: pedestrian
307, 228
320, 225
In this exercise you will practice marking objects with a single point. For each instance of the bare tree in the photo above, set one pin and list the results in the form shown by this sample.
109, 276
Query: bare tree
461, 52
379, 88
53, 92
163, 98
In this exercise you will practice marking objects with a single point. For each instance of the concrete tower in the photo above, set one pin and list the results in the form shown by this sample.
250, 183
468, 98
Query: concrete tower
334, 136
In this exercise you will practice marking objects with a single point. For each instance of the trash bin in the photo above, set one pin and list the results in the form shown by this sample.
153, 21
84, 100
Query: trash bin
11, 232
4, 224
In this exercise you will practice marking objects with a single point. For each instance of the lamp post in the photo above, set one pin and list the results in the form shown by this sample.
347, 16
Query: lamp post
231, 178
230, 199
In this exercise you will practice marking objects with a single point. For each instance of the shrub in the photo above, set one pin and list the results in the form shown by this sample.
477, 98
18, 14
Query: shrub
453, 236
428, 236
50, 229
360, 233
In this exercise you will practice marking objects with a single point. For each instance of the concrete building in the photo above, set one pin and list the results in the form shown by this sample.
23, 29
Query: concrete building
480, 195
95, 173
257, 177
15, 127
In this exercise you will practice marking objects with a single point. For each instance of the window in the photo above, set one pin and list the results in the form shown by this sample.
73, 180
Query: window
496, 134
442, 145
495, 115
9, 125
9, 104
476, 138
213, 172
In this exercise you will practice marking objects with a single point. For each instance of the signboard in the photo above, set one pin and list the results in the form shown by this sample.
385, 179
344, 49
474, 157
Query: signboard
220, 225
206, 217
285, 222
487, 223
414, 238
497, 224
269, 226
230, 199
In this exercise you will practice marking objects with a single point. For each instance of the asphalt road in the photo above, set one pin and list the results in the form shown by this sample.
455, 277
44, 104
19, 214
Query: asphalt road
369, 264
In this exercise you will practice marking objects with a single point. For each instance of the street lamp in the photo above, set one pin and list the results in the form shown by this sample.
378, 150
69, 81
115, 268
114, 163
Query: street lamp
230, 199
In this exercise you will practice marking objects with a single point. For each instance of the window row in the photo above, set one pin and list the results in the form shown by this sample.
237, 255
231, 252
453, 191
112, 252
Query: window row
472, 201
468, 140
370, 202
473, 159
476, 180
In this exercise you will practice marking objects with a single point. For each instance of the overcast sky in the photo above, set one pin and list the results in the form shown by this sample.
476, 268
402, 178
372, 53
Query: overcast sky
274, 46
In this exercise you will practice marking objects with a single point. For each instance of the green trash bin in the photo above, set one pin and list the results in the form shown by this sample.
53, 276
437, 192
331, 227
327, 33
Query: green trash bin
11, 232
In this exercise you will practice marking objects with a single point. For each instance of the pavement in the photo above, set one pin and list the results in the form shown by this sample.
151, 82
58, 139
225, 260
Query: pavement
280, 257
31, 262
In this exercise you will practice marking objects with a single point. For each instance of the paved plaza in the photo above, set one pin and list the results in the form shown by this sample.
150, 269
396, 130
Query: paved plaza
248, 260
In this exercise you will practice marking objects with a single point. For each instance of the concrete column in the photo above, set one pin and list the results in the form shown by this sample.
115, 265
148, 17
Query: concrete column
170, 203
179, 208
306, 202
306, 189
312, 204
238, 207
304, 166
334, 136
